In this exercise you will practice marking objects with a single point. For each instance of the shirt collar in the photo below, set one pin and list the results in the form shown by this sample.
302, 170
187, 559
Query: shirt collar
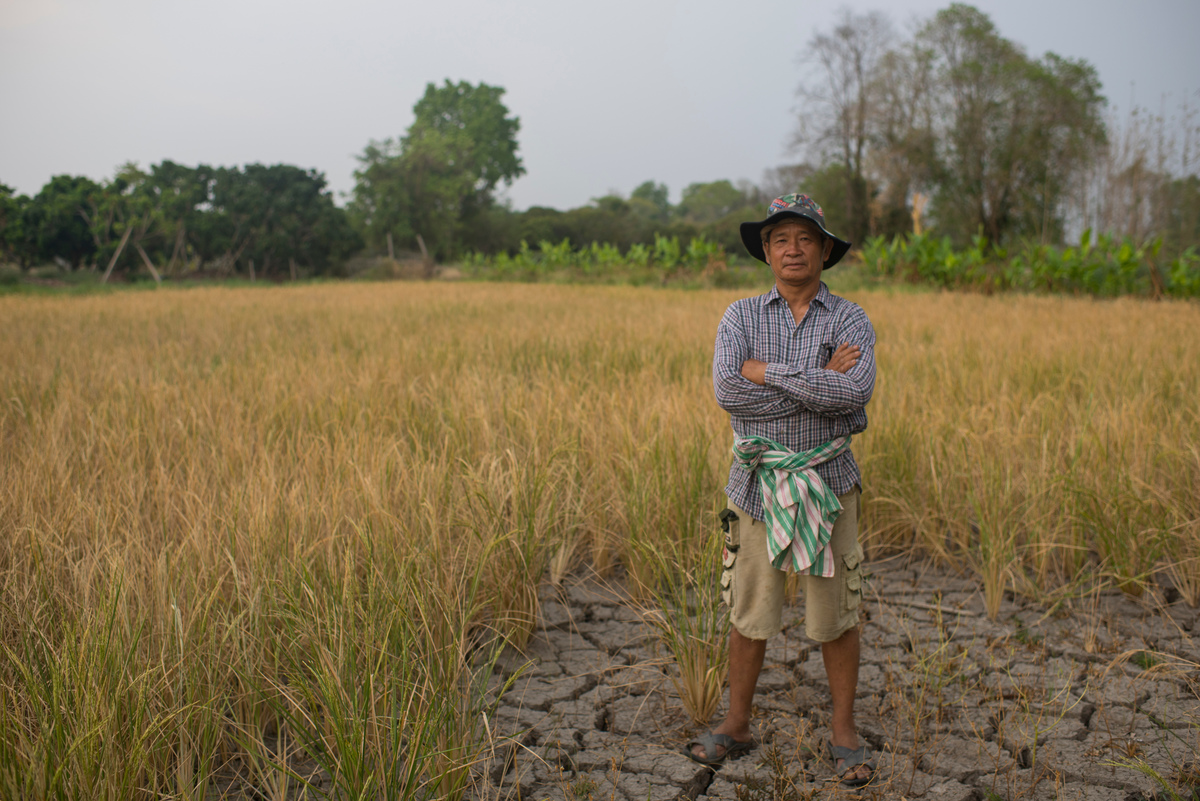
823, 296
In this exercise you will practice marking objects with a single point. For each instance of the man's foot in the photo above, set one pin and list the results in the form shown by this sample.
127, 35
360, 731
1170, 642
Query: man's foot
855, 767
715, 748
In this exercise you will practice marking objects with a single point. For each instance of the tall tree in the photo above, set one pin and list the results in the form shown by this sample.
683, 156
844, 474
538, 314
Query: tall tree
903, 144
441, 189
442, 173
839, 102
1013, 130
474, 124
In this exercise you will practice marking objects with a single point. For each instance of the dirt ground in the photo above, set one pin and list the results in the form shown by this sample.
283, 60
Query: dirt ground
1036, 705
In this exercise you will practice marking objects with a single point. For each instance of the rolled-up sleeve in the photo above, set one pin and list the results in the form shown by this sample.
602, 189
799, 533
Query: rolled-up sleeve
828, 392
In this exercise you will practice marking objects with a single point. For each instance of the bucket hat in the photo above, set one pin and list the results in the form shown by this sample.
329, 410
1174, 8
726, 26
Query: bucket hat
787, 207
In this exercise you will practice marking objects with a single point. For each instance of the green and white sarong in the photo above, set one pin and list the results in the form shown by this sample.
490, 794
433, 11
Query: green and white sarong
798, 508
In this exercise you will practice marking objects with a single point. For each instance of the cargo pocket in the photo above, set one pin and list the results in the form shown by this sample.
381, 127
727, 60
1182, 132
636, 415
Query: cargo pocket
853, 564
733, 541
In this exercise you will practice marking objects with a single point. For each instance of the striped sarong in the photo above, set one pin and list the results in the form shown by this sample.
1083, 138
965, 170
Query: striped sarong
798, 508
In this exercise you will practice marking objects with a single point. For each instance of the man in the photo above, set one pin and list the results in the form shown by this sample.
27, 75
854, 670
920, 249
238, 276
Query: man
794, 368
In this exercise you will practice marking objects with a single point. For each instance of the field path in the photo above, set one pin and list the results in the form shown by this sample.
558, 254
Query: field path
957, 707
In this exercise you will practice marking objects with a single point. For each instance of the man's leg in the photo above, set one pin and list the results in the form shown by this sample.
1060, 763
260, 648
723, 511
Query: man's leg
841, 668
831, 606
745, 663
755, 600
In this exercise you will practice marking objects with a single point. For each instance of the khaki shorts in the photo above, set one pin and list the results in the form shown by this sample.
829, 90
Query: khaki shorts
754, 589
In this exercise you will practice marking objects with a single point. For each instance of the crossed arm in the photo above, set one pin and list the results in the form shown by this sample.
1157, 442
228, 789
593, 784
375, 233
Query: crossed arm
750, 388
845, 357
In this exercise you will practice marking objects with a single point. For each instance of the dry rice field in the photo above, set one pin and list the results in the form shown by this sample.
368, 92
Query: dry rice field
241, 525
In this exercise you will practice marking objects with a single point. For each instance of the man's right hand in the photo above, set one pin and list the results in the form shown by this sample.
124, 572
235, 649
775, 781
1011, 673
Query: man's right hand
845, 357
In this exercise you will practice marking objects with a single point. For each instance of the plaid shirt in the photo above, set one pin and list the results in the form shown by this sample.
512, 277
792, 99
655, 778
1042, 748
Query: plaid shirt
802, 405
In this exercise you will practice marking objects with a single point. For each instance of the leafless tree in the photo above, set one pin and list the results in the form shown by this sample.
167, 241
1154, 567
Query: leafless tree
837, 100
904, 144
1144, 184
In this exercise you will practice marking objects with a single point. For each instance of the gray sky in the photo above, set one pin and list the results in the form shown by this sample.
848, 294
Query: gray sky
609, 94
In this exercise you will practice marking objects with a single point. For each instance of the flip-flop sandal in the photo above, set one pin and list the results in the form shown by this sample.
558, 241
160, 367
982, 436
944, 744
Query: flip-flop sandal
853, 758
710, 743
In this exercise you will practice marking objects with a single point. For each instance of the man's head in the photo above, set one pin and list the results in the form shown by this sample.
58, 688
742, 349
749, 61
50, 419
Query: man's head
792, 208
796, 250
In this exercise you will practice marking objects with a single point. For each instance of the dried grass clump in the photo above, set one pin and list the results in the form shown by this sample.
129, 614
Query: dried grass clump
1036, 439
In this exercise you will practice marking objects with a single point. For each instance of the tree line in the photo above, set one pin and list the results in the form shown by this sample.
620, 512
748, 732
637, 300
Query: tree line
954, 131
259, 220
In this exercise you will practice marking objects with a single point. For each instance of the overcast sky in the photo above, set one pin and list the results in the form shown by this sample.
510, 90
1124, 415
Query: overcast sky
609, 94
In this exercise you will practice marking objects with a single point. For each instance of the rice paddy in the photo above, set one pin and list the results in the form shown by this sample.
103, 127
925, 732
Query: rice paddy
248, 523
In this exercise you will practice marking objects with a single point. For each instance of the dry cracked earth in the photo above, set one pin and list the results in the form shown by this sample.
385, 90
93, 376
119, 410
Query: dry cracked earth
1099, 701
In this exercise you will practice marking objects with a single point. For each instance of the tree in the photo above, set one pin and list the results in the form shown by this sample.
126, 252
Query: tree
958, 112
703, 203
182, 195
442, 174
15, 245
279, 216
612, 203
474, 123
903, 143
652, 201
1013, 130
121, 218
382, 203
1145, 183
55, 220
79, 221
839, 103
440, 190
1183, 214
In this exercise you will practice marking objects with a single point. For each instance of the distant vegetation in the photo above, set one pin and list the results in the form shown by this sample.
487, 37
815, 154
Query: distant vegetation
994, 161
171, 220
1104, 266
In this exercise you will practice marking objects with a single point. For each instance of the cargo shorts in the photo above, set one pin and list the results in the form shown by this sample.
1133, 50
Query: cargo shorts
753, 588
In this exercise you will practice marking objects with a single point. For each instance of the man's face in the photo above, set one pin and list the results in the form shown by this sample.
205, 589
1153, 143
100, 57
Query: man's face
796, 251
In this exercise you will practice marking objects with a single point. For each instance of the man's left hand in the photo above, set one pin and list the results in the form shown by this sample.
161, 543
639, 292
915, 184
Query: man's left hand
845, 357
755, 371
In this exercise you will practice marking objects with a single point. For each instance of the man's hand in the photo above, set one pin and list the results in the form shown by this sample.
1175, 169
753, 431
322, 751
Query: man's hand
755, 371
845, 357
